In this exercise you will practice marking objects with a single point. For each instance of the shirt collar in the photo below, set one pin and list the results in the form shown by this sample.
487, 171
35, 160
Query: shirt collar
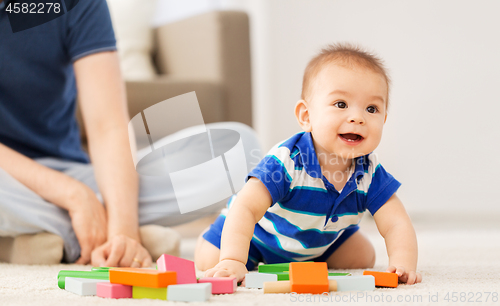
308, 156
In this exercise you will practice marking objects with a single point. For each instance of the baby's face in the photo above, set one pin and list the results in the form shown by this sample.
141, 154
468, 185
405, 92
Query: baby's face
347, 110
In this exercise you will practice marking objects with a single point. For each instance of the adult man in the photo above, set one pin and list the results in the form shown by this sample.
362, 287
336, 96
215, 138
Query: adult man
45, 181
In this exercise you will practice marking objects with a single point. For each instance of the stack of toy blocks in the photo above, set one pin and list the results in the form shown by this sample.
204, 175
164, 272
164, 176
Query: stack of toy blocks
274, 278
175, 280
298, 277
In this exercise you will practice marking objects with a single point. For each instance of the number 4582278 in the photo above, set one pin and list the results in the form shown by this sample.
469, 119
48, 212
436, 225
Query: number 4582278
33, 8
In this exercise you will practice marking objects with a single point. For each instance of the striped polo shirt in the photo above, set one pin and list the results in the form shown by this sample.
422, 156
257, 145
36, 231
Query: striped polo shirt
308, 214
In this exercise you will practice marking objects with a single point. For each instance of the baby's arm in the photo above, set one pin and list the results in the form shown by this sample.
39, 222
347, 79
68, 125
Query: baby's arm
395, 226
249, 207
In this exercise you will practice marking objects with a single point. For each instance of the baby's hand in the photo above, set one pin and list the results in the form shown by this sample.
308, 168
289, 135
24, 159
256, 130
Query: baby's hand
228, 268
408, 277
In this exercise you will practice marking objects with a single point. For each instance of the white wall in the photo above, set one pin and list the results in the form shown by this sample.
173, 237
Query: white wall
442, 134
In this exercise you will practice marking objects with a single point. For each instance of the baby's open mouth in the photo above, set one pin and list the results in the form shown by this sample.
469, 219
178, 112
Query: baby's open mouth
351, 137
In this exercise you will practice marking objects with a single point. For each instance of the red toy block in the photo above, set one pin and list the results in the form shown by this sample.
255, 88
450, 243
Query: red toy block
384, 279
309, 277
220, 285
185, 268
142, 277
114, 291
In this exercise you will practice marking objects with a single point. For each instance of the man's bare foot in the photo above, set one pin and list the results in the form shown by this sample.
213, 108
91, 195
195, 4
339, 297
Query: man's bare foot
32, 249
160, 240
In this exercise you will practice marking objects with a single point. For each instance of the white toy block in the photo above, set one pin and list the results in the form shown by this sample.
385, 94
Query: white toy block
256, 280
83, 286
189, 292
354, 283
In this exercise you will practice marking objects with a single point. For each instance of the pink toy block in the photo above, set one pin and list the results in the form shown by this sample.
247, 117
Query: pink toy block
114, 291
220, 285
184, 268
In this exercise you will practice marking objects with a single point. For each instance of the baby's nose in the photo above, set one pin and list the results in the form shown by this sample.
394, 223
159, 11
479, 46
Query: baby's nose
357, 119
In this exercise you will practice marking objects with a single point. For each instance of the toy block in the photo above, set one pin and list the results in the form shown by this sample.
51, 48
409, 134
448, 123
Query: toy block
113, 291
354, 283
279, 267
185, 268
142, 277
149, 293
384, 279
270, 268
101, 269
339, 274
284, 286
220, 285
82, 286
256, 280
61, 276
189, 292
309, 277
282, 276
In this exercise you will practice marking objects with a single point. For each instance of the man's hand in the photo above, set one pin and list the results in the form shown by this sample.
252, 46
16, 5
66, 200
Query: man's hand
228, 268
88, 218
121, 251
407, 277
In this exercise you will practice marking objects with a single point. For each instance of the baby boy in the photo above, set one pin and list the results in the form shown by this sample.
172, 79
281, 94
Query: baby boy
304, 200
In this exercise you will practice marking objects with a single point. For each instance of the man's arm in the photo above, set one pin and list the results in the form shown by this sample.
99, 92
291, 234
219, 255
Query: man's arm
88, 216
51, 185
102, 100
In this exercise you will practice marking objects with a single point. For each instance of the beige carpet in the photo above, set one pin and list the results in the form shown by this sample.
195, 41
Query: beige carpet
459, 259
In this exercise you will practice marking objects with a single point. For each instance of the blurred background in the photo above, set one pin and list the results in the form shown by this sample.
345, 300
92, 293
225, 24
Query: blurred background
441, 138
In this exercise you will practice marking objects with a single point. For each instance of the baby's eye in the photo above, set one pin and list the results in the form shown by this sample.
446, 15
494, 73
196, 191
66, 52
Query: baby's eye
340, 104
372, 109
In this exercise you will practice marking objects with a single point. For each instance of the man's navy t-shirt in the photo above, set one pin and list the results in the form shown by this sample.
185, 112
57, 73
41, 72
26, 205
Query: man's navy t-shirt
37, 81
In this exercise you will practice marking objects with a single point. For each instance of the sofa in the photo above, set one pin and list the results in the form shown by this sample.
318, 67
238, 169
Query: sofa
208, 54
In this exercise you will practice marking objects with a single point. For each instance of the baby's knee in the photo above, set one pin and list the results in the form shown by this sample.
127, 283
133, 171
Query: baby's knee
370, 259
365, 259
355, 253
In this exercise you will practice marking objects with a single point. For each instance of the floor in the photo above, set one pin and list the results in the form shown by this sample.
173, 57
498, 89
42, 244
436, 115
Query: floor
459, 258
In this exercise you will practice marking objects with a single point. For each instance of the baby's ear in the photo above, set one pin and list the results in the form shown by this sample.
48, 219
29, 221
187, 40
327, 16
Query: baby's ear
302, 115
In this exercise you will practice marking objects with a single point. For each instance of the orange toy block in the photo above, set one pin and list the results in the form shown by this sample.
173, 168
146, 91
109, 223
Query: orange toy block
142, 277
309, 277
384, 279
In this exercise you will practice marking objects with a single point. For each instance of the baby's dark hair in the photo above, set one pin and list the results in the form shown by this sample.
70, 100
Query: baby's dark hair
343, 54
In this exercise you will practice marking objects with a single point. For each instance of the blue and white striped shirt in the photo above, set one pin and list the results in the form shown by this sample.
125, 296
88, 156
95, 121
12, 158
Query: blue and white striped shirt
308, 214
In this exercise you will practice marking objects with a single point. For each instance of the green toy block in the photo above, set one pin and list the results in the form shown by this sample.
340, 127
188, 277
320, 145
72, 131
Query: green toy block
100, 269
61, 276
149, 293
283, 276
339, 274
271, 268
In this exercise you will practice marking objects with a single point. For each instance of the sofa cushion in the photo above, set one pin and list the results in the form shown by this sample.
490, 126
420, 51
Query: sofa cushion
134, 37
